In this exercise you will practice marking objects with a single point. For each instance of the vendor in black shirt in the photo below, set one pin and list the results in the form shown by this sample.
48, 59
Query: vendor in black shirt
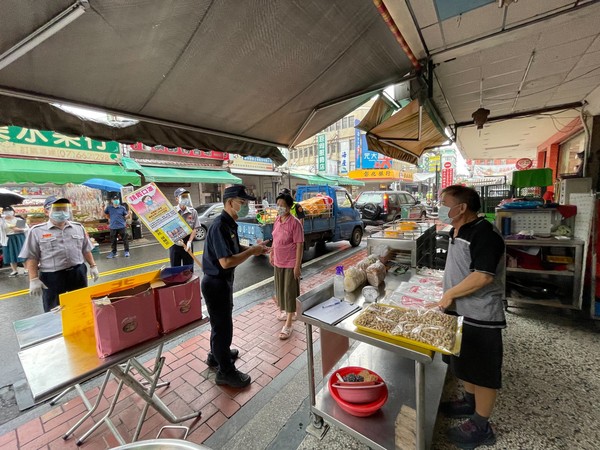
222, 254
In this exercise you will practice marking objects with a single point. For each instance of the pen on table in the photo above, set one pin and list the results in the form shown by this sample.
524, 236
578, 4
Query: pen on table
332, 304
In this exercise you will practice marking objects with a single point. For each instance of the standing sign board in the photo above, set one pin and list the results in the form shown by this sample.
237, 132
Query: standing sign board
159, 216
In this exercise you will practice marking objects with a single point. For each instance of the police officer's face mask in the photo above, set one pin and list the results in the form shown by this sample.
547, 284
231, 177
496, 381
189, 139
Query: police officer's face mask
60, 215
185, 200
244, 209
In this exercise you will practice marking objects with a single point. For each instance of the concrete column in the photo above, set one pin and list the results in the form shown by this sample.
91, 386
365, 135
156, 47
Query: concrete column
592, 168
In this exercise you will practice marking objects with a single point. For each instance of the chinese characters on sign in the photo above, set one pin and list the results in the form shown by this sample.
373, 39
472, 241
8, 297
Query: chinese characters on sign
178, 151
344, 157
448, 168
358, 145
321, 153
49, 144
157, 213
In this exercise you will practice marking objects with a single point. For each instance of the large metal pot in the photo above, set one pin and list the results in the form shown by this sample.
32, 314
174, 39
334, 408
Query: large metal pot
162, 444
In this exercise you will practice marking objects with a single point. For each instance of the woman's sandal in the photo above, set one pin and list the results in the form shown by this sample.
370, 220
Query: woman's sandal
283, 316
285, 333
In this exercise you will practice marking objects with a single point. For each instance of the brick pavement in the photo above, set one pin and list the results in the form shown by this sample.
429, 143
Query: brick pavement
262, 354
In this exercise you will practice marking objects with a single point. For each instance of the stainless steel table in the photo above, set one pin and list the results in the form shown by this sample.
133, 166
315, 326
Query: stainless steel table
58, 364
415, 377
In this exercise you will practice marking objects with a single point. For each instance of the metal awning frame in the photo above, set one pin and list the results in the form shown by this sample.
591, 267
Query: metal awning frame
411, 76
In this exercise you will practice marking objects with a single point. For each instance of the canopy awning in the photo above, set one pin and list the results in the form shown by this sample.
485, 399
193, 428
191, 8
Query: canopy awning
343, 181
172, 175
14, 170
313, 179
403, 136
191, 73
263, 173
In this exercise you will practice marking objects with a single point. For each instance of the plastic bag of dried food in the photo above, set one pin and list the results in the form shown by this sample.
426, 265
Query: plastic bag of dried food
431, 327
378, 318
354, 278
363, 264
375, 273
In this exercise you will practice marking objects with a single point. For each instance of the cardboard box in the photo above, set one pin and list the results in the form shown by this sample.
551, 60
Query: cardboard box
179, 304
123, 319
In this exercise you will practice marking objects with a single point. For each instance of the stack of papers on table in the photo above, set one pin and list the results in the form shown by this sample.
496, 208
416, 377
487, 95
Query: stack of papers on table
332, 311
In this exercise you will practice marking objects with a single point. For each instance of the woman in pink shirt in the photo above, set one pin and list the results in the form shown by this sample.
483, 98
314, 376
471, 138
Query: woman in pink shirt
286, 258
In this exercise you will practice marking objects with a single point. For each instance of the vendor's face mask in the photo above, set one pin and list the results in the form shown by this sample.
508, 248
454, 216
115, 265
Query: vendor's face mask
444, 214
282, 211
115, 202
8, 213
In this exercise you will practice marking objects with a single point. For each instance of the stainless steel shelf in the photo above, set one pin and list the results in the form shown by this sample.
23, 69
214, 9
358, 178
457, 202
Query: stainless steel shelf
378, 431
554, 303
564, 273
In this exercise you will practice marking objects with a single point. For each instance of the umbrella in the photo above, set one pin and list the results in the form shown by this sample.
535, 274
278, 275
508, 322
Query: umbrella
103, 185
8, 198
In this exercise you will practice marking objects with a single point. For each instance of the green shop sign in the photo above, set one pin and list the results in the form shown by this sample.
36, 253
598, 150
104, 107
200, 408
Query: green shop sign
29, 136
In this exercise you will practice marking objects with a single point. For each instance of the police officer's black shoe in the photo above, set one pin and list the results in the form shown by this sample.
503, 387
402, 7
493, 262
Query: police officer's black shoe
212, 362
235, 379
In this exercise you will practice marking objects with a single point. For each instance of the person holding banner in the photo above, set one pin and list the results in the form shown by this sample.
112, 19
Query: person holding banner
222, 254
56, 251
181, 253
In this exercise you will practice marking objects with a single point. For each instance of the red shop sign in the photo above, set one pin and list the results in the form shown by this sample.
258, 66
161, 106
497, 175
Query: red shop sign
524, 164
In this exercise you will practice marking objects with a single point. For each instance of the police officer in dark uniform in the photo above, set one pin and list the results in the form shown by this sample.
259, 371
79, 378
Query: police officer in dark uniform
55, 253
179, 254
222, 254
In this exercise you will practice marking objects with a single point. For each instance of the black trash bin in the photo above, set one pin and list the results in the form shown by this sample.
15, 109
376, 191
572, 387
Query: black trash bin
136, 229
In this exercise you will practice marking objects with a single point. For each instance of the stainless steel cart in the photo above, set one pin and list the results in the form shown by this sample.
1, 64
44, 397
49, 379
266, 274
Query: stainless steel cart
414, 376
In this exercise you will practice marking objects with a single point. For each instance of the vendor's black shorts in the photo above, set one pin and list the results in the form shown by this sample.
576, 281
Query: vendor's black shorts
480, 360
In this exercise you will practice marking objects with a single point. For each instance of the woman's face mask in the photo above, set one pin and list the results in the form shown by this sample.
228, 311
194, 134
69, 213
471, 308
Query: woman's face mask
148, 201
8, 214
282, 211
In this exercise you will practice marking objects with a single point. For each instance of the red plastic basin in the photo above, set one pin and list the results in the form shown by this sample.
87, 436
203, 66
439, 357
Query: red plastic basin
360, 394
357, 409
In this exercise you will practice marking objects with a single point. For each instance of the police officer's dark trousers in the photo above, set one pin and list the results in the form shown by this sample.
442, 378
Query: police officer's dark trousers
218, 296
179, 256
60, 282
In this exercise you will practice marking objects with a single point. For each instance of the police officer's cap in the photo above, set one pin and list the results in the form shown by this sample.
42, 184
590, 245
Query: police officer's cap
180, 191
237, 191
53, 199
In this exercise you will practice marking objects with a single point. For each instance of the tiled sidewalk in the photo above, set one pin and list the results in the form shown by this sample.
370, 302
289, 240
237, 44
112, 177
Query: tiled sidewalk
262, 354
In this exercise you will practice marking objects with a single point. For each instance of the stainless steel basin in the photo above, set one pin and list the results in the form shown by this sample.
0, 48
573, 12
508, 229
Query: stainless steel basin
162, 444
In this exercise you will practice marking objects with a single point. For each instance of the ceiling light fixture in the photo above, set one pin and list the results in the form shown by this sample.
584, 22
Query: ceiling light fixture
503, 3
43, 33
